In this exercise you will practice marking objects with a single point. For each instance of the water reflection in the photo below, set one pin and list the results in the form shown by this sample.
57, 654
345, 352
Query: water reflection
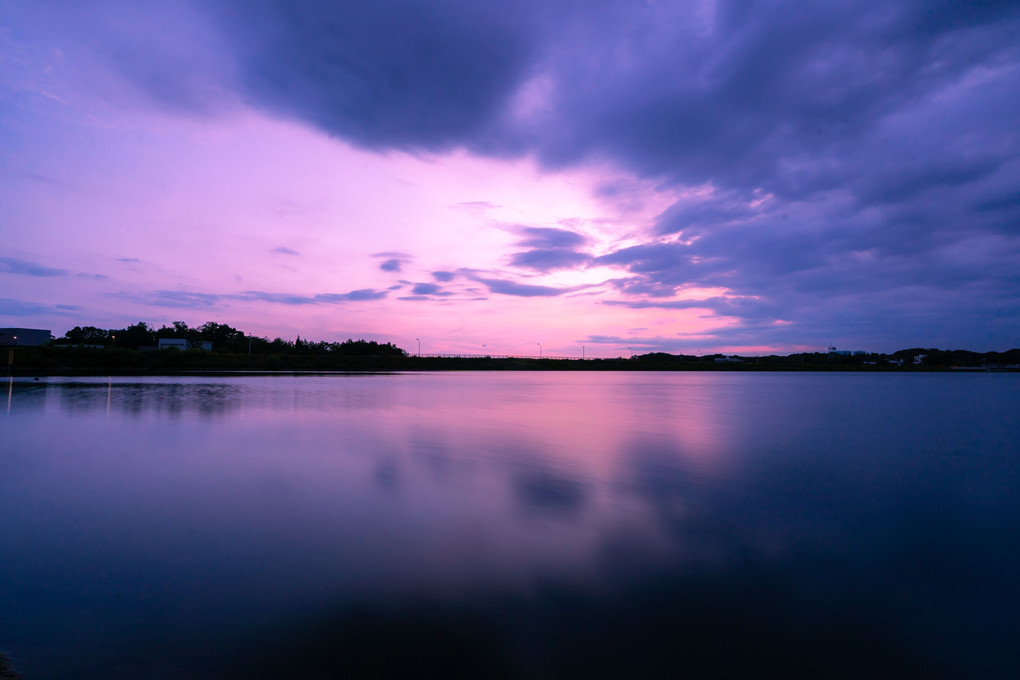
529, 525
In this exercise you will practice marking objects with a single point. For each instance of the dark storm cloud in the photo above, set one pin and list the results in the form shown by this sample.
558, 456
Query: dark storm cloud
777, 96
389, 73
752, 95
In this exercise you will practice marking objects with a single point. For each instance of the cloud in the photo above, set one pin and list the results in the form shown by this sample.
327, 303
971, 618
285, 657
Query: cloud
12, 307
397, 74
443, 276
393, 261
550, 249
11, 265
475, 207
549, 259
426, 289
174, 298
505, 287
360, 295
282, 250
187, 299
545, 237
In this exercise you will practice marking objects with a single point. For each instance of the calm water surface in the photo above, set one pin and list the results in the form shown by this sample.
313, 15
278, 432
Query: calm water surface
511, 525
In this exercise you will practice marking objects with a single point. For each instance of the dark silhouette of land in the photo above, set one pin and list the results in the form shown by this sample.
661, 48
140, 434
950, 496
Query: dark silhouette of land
219, 347
7, 671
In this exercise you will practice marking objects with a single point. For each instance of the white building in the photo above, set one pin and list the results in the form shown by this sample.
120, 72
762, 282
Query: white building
173, 343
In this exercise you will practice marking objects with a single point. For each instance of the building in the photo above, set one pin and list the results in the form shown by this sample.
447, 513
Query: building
182, 344
25, 336
173, 343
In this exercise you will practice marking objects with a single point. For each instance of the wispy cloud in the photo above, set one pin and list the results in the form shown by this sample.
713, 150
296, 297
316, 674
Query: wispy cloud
475, 207
506, 287
9, 307
549, 259
11, 265
360, 295
188, 299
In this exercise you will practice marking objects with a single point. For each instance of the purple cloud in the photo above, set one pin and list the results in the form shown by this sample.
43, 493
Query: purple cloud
545, 237
549, 259
504, 287
24, 308
11, 265
393, 261
426, 289
321, 298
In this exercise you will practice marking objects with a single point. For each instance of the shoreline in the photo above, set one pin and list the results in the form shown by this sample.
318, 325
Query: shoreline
75, 361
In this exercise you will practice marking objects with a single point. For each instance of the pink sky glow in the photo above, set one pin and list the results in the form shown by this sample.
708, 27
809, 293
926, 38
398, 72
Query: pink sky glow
676, 177
177, 219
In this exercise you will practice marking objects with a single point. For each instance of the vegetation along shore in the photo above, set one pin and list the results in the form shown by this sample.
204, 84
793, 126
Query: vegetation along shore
219, 347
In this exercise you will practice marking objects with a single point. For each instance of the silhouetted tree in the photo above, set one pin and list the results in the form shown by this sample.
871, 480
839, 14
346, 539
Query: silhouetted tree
366, 348
134, 336
7, 671
223, 336
87, 335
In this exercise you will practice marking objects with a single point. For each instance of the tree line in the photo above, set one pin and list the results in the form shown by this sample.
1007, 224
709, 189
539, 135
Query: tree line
224, 339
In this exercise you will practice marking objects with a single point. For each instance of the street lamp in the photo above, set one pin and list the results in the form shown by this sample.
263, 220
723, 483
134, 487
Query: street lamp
419, 346
539, 349
631, 352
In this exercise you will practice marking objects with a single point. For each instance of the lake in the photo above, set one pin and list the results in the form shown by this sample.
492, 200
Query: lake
540, 525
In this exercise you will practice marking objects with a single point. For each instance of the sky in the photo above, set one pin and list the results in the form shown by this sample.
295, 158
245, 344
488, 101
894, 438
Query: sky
517, 177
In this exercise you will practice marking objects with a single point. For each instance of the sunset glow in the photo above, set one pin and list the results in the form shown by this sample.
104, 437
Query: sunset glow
664, 178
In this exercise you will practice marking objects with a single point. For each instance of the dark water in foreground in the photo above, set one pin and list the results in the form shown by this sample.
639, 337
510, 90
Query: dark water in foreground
511, 525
